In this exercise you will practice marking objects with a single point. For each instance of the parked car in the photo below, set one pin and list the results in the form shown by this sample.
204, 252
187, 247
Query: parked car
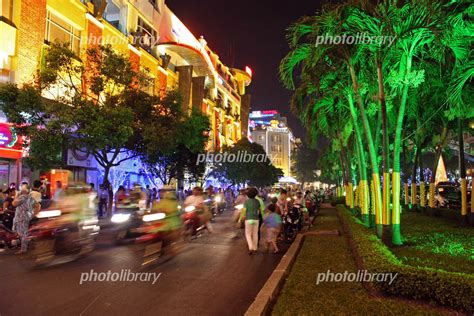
448, 195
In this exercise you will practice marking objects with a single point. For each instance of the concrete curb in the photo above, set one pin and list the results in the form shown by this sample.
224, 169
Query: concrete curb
273, 285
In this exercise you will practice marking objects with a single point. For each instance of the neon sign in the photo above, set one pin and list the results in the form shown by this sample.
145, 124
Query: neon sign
8, 136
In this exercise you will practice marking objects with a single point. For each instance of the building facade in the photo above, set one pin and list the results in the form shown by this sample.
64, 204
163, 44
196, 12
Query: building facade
270, 129
150, 35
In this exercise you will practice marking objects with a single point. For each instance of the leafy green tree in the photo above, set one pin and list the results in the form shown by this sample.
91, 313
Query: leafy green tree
258, 172
93, 105
304, 163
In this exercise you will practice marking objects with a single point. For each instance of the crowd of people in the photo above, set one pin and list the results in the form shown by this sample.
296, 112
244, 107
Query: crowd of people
21, 203
257, 212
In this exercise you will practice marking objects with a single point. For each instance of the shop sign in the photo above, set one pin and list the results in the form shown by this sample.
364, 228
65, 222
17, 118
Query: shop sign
8, 136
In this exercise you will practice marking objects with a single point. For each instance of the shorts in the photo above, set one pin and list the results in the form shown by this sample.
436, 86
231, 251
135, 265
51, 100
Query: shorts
271, 234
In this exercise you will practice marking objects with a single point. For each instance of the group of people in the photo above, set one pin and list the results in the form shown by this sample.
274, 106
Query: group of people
255, 214
24, 202
21, 203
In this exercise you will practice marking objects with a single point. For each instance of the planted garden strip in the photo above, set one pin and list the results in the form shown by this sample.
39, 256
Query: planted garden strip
451, 289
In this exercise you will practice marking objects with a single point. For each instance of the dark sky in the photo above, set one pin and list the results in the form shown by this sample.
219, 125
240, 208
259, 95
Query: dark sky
249, 32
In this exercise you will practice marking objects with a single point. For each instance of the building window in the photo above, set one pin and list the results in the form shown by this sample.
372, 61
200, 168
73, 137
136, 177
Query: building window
276, 138
7, 10
276, 149
112, 15
58, 30
145, 36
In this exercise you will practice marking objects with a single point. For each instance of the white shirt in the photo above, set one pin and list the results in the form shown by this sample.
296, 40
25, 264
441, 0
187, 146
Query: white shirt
194, 200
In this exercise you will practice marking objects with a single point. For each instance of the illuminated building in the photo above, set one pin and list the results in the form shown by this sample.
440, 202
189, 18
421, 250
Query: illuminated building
150, 35
270, 129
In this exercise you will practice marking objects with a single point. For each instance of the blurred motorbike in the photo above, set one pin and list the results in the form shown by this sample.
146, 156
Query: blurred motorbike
156, 243
52, 240
193, 222
8, 238
125, 220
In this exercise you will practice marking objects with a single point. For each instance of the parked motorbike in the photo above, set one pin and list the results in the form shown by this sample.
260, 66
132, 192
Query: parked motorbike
292, 223
53, 240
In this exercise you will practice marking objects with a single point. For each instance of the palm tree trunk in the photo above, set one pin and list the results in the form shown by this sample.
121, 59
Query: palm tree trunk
462, 172
396, 234
414, 201
386, 235
364, 187
372, 155
422, 181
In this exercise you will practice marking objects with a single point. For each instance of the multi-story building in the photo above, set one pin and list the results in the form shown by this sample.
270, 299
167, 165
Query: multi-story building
149, 34
270, 129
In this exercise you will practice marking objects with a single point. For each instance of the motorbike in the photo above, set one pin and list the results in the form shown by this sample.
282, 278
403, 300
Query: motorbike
219, 204
53, 241
125, 220
193, 224
292, 223
155, 245
8, 238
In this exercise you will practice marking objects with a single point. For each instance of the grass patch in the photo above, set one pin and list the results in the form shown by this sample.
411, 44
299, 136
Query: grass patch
452, 289
301, 296
436, 243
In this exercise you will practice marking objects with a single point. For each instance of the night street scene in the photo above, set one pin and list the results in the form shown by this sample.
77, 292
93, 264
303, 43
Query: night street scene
221, 157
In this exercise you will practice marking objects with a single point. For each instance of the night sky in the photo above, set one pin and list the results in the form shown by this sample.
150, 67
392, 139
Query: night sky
249, 32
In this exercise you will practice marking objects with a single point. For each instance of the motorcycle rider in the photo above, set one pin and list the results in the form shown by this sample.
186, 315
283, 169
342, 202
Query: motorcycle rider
197, 200
172, 227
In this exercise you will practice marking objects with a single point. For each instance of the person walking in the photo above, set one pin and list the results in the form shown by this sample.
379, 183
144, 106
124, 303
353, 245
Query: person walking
272, 223
25, 209
250, 213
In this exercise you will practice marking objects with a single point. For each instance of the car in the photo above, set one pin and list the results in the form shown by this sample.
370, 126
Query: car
449, 195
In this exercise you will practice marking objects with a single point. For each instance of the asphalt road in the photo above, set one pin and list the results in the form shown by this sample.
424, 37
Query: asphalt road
214, 275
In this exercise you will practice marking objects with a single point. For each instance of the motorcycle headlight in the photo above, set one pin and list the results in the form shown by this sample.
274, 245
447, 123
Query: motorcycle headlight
153, 217
217, 199
288, 199
48, 214
120, 218
239, 206
189, 208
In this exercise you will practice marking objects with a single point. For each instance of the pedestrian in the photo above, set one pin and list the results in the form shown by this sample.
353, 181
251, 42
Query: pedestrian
25, 209
59, 194
148, 193
154, 194
272, 223
103, 200
283, 202
260, 215
250, 213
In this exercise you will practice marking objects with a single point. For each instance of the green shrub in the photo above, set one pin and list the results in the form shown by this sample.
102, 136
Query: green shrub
447, 288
